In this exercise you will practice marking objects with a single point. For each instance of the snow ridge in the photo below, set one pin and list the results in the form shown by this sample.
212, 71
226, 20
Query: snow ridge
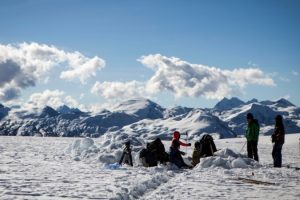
146, 118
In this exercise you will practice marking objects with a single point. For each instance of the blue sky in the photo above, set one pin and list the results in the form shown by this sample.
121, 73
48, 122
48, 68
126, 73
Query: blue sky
224, 34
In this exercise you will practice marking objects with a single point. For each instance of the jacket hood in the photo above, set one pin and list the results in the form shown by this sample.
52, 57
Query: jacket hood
176, 135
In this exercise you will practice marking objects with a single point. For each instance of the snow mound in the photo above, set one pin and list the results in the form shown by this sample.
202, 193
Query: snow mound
107, 150
82, 148
228, 159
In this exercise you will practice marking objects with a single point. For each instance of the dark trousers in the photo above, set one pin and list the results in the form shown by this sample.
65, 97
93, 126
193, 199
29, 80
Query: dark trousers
176, 158
252, 150
127, 158
276, 154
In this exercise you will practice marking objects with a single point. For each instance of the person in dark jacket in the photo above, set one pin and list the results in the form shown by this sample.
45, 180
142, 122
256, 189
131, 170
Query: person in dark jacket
278, 140
252, 134
126, 156
175, 153
196, 154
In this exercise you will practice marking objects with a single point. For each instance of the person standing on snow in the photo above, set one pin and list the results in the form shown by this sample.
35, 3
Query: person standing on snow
175, 153
278, 140
252, 134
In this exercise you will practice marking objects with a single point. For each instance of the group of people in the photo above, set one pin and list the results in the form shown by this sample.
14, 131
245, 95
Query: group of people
206, 147
252, 134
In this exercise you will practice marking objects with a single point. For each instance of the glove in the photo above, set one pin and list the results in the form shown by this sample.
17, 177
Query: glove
189, 144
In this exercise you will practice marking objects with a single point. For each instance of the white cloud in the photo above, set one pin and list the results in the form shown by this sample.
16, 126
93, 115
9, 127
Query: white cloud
252, 64
119, 90
295, 73
284, 79
22, 65
185, 79
82, 67
53, 98
250, 76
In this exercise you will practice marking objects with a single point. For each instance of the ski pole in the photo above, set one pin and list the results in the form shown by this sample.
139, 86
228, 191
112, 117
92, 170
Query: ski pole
243, 147
186, 142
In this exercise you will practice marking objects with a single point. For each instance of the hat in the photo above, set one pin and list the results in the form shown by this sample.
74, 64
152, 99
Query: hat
278, 117
176, 135
250, 116
127, 143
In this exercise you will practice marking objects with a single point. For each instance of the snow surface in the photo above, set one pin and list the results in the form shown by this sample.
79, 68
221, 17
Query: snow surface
74, 168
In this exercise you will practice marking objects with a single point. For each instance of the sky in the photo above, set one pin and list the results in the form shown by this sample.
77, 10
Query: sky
89, 54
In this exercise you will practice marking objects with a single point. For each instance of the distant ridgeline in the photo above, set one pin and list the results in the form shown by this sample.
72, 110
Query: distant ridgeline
145, 118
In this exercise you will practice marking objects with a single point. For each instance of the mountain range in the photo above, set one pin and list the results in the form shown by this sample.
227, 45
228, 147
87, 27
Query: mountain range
147, 119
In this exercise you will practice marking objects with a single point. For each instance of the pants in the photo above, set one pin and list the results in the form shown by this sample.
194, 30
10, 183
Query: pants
127, 158
252, 150
276, 154
176, 158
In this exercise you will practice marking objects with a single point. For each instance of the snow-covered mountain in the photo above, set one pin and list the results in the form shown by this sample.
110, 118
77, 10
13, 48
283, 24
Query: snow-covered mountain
227, 104
3, 111
66, 110
141, 108
147, 119
193, 124
264, 112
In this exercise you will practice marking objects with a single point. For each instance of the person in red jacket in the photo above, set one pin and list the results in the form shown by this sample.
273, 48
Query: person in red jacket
175, 153
176, 143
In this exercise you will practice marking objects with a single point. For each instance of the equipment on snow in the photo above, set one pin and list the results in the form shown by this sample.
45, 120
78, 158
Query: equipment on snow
153, 153
186, 133
252, 181
205, 147
126, 156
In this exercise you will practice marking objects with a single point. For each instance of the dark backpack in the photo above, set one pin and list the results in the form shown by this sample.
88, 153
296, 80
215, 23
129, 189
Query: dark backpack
154, 153
207, 146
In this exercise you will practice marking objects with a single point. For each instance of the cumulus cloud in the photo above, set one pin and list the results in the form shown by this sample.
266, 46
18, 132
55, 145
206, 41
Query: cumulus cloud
186, 79
53, 98
82, 67
22, 65
119, 90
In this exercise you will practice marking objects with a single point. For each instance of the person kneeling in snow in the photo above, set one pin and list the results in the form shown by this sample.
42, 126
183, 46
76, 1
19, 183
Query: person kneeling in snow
126, 156
175, 153
196, 154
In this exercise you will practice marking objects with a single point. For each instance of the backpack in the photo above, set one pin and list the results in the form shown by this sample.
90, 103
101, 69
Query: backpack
154, 153
207, 146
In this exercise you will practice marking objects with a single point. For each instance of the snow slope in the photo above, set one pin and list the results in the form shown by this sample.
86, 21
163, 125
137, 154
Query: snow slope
71, 168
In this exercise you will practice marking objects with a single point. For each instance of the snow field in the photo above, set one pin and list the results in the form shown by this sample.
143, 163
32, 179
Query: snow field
72, 168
